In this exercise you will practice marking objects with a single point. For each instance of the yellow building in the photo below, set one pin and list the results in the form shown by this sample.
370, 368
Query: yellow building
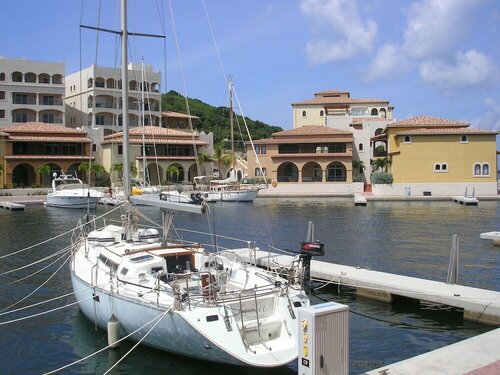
30, 145
436, 156
160, 148
314, 159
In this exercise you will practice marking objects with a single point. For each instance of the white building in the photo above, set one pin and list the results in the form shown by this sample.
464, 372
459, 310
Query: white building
31, 91
93, 99
365, 118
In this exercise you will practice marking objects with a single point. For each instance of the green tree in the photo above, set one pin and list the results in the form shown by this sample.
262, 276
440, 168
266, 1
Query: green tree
172, 171
381, 164
221, 157
203, 160
92, 168
118, 168
358, 167
42, 170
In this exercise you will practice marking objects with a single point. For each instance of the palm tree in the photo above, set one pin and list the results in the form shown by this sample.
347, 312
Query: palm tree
221, 157
381, 163
203, 159
42, 170
171, 171
118, 168
88, 168
358, 167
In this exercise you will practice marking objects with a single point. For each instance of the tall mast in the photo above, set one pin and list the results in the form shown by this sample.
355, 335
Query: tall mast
125, 147
143, 79
233, 160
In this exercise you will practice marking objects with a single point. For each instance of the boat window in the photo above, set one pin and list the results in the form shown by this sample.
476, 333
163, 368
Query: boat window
141, 258
108, 262
124, 271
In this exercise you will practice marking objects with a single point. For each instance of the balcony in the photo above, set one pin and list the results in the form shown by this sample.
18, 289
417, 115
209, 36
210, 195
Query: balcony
30, 101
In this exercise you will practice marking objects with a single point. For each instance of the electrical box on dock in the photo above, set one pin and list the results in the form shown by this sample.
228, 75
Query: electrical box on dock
323, 339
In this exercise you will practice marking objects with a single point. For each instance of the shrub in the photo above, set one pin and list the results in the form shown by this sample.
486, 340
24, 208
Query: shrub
358, 179
381, 178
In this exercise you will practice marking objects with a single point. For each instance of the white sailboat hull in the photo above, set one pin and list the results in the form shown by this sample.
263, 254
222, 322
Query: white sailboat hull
230, 196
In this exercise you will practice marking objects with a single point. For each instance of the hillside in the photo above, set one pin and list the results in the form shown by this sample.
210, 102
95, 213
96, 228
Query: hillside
216, 119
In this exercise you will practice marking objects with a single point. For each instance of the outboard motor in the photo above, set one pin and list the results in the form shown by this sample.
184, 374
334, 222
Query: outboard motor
307, 251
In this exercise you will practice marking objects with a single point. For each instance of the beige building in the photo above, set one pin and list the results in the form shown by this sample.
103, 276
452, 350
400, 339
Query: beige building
310, 158
31, 91
30, 145
160, 148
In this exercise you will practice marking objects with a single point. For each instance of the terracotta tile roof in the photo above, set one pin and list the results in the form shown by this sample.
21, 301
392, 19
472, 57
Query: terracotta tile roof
339, 100
152, 131
50, 157
167, 158
2, 134
274, 141
314, 155
179, 115
427, 121
444, 131
41, 127
49, 138
373, 118
158, 141
313, 130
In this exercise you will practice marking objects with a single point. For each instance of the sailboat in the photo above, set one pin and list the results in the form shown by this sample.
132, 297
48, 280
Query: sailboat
229, 189
178, 296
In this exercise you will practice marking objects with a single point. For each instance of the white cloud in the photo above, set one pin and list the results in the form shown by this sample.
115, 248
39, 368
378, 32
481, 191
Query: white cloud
491, 118
436, 27
471, 68
388, 63
339, 32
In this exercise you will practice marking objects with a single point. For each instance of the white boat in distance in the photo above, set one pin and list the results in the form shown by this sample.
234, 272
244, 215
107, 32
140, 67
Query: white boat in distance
178, 295
228, 190
71, 192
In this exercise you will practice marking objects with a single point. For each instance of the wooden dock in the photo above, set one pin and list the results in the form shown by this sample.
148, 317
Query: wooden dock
359, 200
467, 201
479, 305
12, 206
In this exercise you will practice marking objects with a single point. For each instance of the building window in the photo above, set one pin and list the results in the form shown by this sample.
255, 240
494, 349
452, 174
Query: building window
21, 117
2, 113
303, 113
99, 120
94, 147
181, 125
321, 113
360, 147
48, 118
47, 100
120, 149
482, 169
2, 95
374, 112
407, 139
441, 167
464, 139
257, 149
2, 76
257, 171
264, 171
263, 149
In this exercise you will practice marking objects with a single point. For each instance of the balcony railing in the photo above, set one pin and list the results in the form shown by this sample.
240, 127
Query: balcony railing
24, 101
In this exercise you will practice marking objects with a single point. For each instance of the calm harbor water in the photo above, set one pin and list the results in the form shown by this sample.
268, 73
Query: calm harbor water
408, 238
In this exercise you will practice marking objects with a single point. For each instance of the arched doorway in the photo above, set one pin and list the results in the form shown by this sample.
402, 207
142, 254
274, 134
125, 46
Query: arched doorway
23, 175
193, 172
336, 172
73, 171
311, 172
288, 172
46, 178
175, 173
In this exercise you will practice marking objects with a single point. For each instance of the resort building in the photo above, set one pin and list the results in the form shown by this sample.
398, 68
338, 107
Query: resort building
315, 159
31, 91
28, 146
436, 156
176, 120
169, 154
365, 118
93, 99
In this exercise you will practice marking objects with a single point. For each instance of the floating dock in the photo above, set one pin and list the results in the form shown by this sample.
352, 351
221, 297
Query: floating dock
467, 201
479, 305
494, 236
12, 206
359, 200
478, 355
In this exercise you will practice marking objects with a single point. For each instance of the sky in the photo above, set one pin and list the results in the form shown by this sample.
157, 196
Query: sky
427, 57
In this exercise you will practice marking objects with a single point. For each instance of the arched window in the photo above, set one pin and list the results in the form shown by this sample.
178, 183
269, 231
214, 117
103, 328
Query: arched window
444, 167
374, 112
464, 139
477, 169
437, 167
264, 171
321, 113
379, 131
257, 171
2, 76
336, 172
303, 113
407, 139
288, 172
360, 147
486, 170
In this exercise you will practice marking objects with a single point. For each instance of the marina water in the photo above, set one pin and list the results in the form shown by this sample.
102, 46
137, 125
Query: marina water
409, 238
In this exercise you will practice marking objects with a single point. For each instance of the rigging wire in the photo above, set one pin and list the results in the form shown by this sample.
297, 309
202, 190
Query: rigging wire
106, 347
138, 342
37, 288
59, 235
63, 250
